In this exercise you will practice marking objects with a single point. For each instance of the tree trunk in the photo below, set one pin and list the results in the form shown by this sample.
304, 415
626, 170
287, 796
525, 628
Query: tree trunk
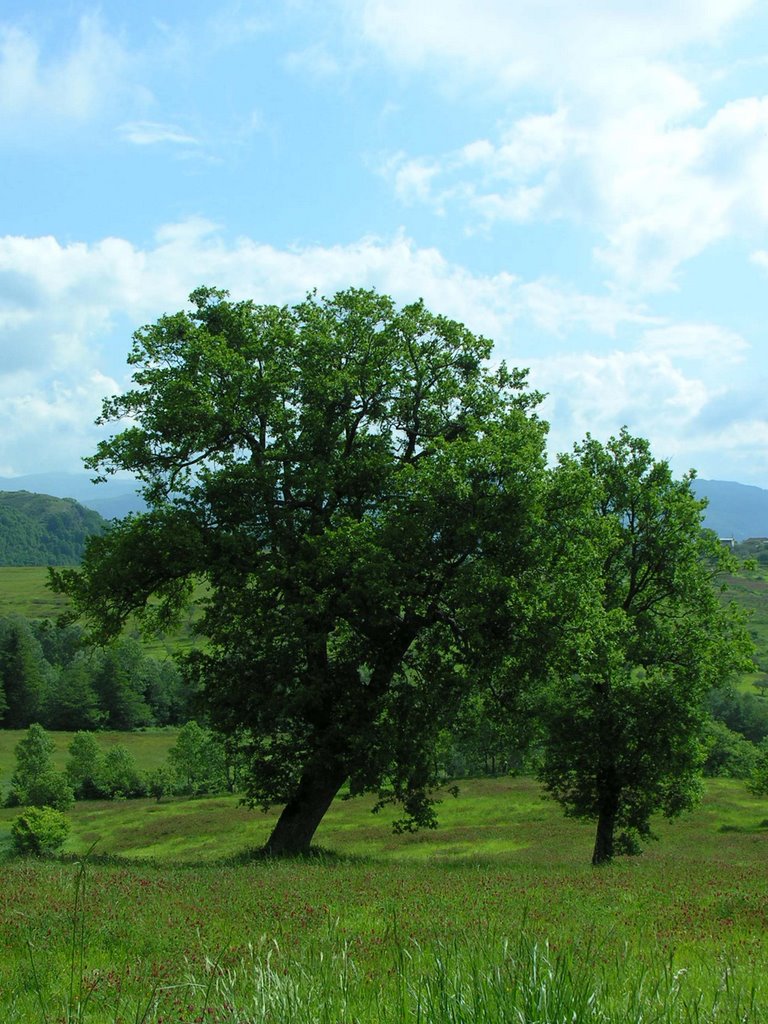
606, 824
296, 826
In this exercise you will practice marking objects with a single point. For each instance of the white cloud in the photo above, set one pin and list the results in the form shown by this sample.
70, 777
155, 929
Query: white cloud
147, 133
628, 145
69, 310
520, 40
72, 86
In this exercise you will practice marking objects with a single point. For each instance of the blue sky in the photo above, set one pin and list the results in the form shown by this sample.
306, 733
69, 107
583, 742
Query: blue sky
587, 184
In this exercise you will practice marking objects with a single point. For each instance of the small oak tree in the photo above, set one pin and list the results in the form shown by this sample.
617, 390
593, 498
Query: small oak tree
358, 491
625, 721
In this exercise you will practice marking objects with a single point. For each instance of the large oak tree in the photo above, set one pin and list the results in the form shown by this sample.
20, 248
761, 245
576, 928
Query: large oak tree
357, 493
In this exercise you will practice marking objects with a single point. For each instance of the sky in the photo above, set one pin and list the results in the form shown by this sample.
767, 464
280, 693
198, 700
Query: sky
585, 184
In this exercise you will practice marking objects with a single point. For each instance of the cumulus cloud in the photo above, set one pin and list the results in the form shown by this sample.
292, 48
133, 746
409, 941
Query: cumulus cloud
68, 309
627, 142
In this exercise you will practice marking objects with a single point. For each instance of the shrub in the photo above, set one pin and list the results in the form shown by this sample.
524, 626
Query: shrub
160, 782
727, 752
38, 831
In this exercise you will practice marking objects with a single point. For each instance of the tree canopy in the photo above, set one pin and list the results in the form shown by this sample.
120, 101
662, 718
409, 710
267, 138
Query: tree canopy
360, 495
625, 718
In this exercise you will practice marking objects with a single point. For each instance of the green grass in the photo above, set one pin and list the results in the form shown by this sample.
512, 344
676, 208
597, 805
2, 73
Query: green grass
496, 916
23, 591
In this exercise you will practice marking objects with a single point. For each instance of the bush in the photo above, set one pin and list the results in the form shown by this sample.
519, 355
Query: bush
38, 831
727, 752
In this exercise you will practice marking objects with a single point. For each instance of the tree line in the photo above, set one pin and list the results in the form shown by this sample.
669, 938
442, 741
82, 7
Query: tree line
50, 676
386, 551
198, 763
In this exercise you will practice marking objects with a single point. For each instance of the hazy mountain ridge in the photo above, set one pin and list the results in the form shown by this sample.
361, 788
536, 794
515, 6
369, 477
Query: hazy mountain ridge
55, 534
735, 510
113, 499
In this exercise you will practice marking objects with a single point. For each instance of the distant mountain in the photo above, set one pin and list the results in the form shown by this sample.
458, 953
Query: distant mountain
39, 529
113, 499
735, 510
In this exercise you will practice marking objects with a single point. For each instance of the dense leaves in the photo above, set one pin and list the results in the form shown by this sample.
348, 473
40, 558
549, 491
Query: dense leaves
48, 675
359, 494
625, 726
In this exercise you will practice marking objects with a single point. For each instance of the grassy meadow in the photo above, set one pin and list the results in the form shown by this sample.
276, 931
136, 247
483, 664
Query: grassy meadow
495, 916
163, 913
24, 591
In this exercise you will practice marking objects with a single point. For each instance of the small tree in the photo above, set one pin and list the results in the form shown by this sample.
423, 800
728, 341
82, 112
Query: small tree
33, 763
626, 725
160, 782
118, 775
38, 831
84, 765
197, 761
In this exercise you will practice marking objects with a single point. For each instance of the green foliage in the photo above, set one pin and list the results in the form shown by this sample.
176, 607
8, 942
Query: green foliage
758, 780
38, 831
359, 494
624, 728
48, 675
118, 775
118, 682
84, 765
727, 752
51, 789
24, 674
161, 782
37, 529
33, 763
198, 761
744, 713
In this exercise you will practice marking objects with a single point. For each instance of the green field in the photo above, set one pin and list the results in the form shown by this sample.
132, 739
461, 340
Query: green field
496, 916
161, 913
24, 591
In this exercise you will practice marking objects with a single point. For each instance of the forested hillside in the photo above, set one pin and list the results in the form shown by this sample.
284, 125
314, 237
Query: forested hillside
38, 529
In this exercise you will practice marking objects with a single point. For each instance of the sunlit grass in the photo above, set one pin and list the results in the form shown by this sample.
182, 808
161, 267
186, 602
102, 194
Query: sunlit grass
496, 916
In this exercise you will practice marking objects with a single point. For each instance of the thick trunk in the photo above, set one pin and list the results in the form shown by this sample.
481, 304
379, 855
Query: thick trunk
303, 813
606, 824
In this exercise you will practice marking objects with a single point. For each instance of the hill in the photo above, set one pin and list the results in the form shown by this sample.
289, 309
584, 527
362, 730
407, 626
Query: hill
735, 510
38, 529
112, 499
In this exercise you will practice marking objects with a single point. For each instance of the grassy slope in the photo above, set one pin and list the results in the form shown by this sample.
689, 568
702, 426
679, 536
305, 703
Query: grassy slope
395, 929
24, 591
